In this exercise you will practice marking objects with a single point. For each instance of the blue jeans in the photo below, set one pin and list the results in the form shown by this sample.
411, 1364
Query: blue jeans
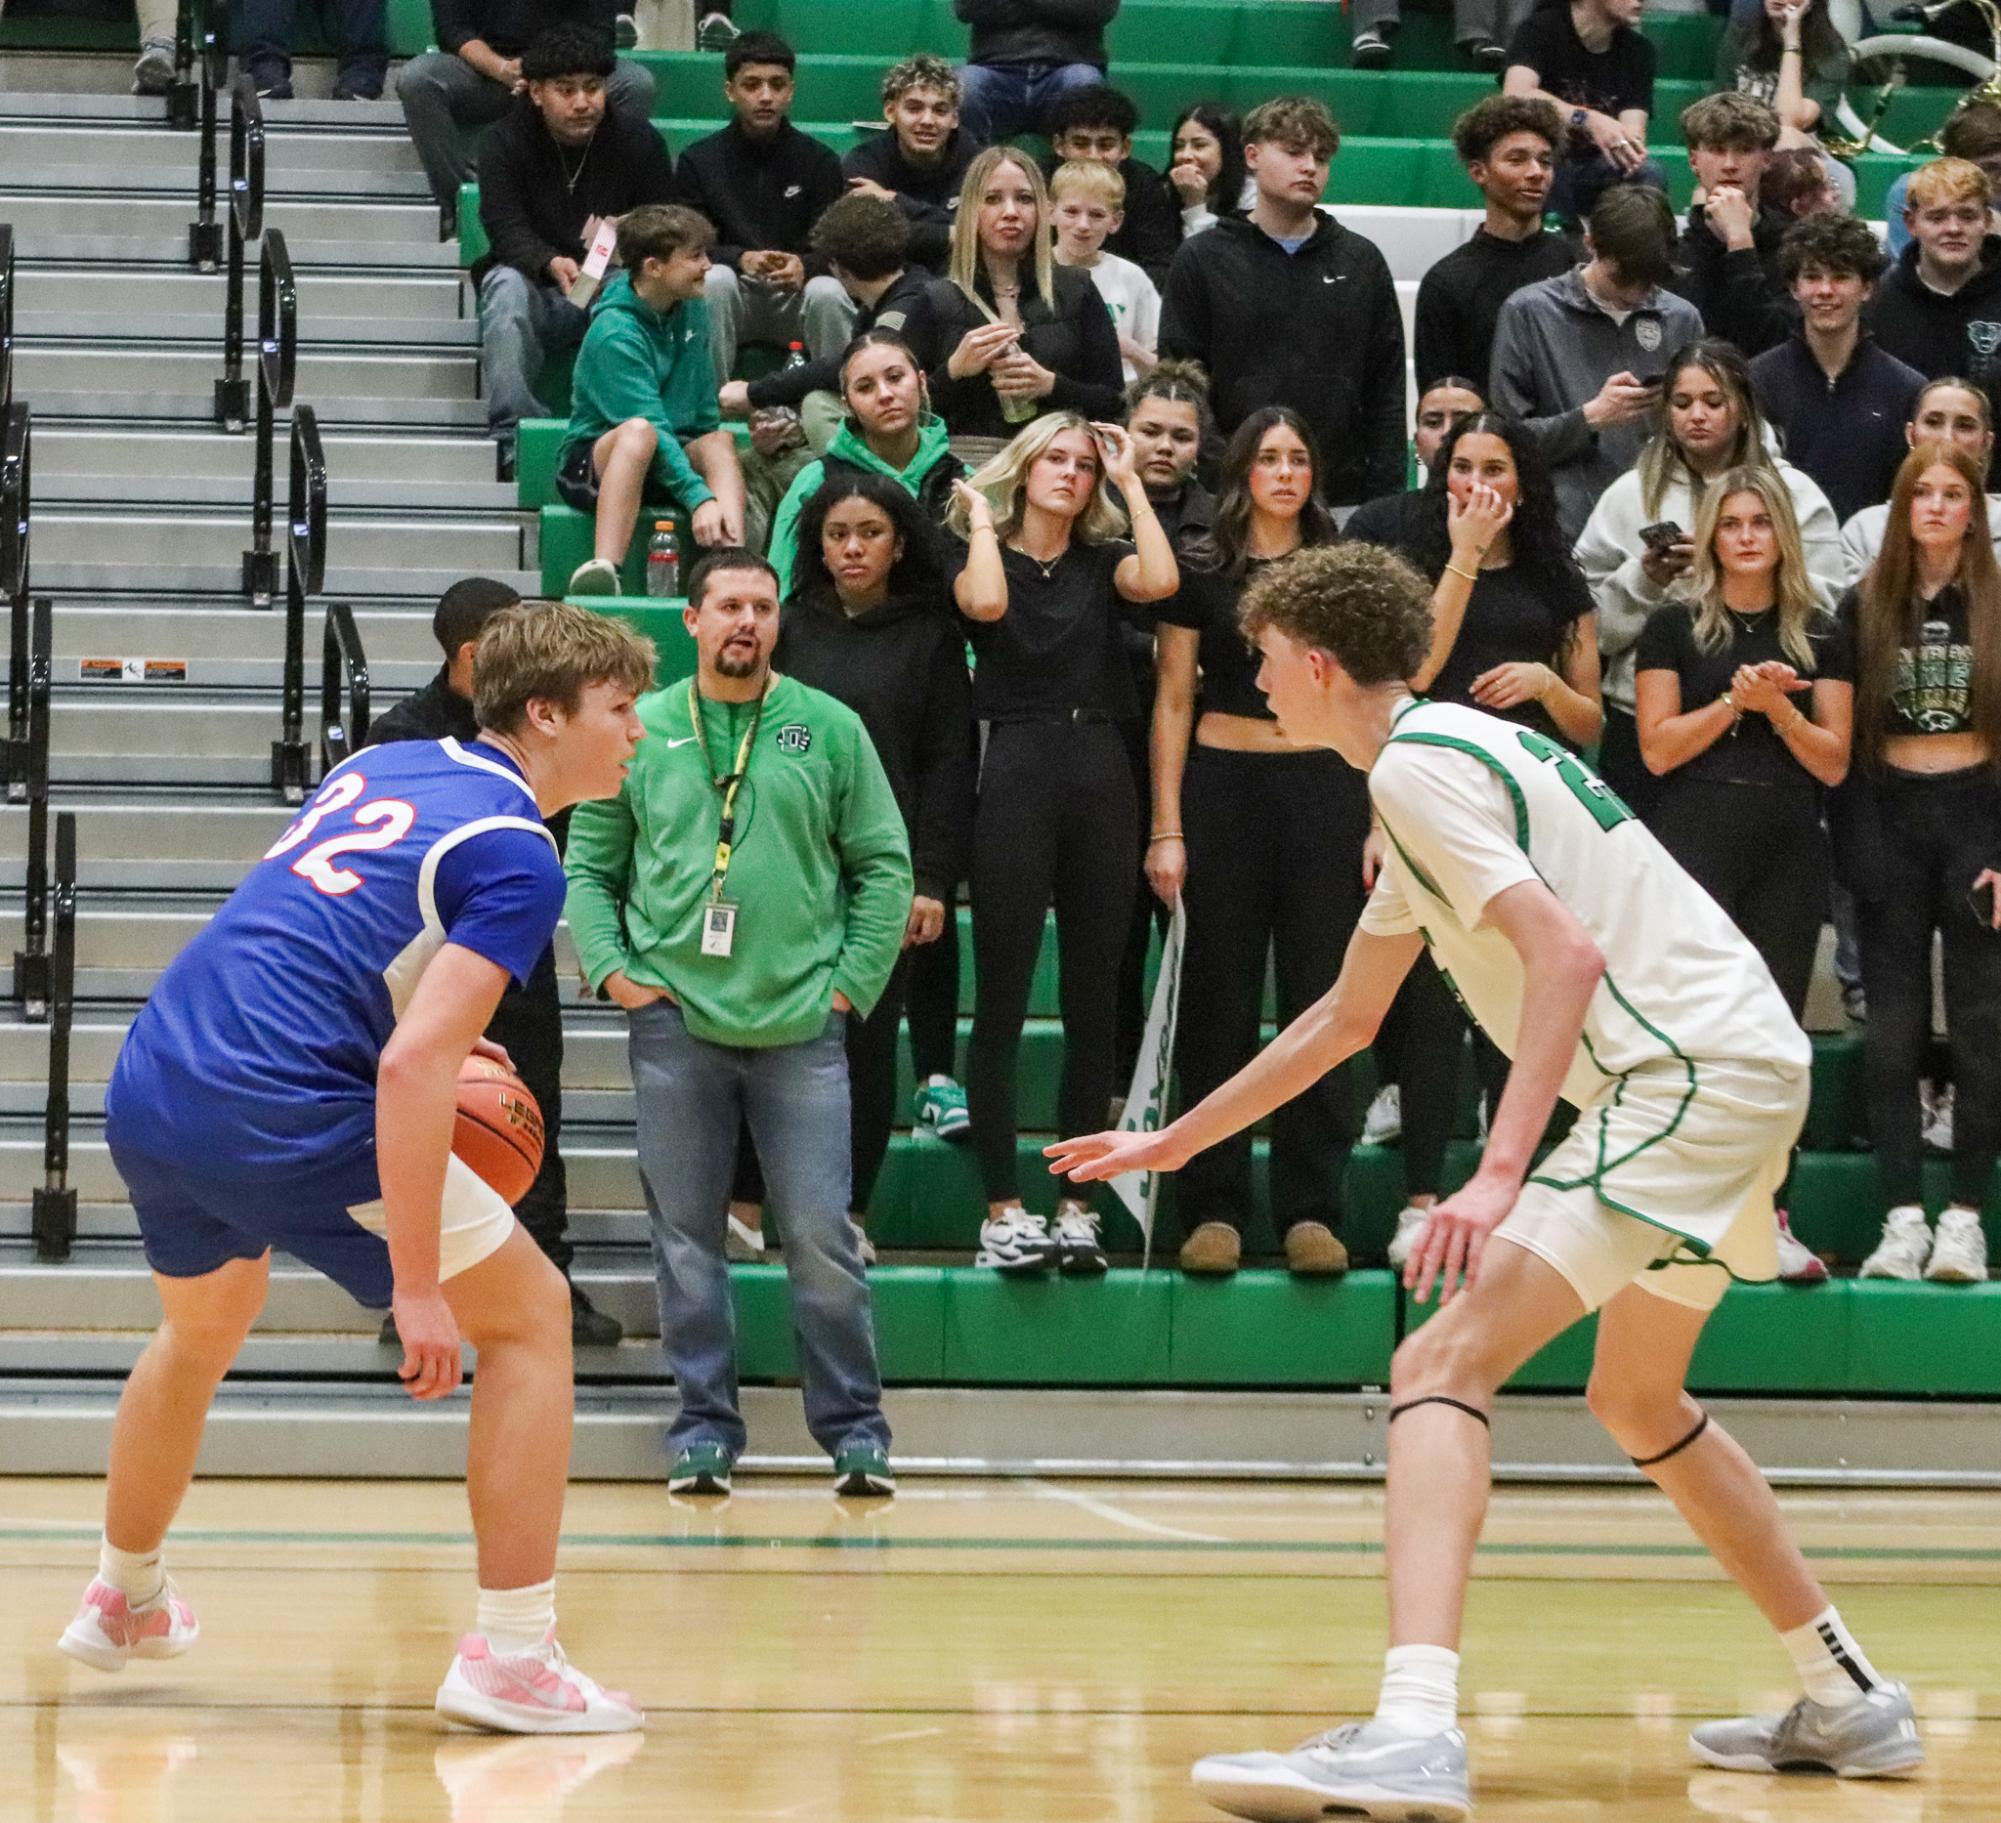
1580, 180
692, 1095
359, 30
996, 100
522, 321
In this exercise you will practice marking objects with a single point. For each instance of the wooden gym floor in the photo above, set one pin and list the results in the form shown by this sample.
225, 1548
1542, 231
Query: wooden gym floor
1038, 1652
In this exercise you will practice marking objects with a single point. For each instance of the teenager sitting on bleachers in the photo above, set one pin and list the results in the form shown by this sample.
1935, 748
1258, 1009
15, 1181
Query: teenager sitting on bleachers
1727, 260
921, 161
1288, 307
1793, 58
1022, 55
643, 421
261, 33
1095, 125
1023, 335
556, 166
451, 95
1508, 146
1205, 166
763, 183
1088, 200
1480, 28
1590, 58
1973, 133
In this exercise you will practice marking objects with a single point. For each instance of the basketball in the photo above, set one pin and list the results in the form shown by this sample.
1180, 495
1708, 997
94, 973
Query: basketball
499, 1128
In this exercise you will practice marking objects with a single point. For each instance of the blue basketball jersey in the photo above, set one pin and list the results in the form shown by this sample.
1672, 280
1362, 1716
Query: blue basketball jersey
258, 1049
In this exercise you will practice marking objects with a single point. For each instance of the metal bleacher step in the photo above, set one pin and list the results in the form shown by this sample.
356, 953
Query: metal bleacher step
142, 733
50, 298
199, 327
66, 454
173, 177
166, 247
427, 392
77, 214
153, 155
132, 838
113, 549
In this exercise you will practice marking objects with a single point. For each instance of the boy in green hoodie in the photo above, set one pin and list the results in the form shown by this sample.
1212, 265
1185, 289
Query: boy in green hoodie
643, 415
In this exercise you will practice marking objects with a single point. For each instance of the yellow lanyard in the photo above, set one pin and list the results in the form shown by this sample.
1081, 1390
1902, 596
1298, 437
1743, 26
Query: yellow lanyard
729, 784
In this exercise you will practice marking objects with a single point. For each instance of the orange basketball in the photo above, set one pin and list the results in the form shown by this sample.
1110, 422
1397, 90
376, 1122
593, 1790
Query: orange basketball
499, 1128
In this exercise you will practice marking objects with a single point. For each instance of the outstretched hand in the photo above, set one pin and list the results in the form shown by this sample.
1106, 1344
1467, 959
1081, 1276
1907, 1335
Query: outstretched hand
1094, 1157
1454, 1240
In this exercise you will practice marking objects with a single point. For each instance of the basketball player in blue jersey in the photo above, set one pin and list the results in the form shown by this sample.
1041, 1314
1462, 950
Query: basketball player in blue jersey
292, 1083
1612, 979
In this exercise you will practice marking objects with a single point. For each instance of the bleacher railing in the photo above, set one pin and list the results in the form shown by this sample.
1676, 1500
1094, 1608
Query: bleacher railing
16, 491
277, 367
31, 960
201, 69
6, 319
343, 672
305, 574
246, 224
54, 1211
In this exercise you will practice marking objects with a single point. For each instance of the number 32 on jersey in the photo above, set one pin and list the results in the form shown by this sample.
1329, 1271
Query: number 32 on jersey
380, 823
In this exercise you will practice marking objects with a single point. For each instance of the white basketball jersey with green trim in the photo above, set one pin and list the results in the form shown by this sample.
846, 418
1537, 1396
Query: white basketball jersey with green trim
1474, 804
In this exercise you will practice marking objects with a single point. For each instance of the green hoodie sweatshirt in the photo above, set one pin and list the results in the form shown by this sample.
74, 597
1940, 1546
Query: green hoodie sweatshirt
637, 363
821, 870
933, 445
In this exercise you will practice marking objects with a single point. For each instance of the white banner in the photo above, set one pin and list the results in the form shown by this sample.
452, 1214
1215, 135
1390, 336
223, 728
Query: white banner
1153, 1077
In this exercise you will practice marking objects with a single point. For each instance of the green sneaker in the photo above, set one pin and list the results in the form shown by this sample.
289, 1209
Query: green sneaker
940, 1104
701, 1468
862, 1472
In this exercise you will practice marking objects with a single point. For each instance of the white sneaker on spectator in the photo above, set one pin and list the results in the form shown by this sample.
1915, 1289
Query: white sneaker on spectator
743, 1245
153, 74
1082, 1250
717, 32
597, 576
1015, 1241
625, 31
1410, 1224
1938, 1120
1798, 1263
1904, 1248
1959, 1254
1385, 1120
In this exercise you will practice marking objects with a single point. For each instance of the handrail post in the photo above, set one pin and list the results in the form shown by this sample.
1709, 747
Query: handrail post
246, 223
6, 320
31, 960
277, 365
183, 92
342, 661
205, 232
54, 1211
305, 575
16, 499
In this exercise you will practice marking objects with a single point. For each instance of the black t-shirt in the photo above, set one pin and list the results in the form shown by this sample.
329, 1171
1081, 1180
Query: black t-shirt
1610, 81
1514, 616
1753, 752
1932, 692
1207, 603
1059, 646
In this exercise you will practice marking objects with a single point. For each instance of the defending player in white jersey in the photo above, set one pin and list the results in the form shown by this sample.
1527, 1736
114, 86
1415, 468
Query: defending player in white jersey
1612, 979
292, 1082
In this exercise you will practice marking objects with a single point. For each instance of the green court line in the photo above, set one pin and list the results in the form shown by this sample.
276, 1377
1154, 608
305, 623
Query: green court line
1250, 1547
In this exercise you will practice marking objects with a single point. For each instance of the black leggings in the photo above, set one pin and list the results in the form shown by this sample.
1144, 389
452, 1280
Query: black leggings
1620, 764
528, 1025
934, 999
1938, 833
1056, 823
1760, 853
871, 1048
1274, 869
1431, 1055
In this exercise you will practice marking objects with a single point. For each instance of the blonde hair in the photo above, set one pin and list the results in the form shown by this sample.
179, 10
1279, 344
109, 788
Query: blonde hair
1795, 599
1095, 182
1946, 180
1004, 481
551, 651
963, 268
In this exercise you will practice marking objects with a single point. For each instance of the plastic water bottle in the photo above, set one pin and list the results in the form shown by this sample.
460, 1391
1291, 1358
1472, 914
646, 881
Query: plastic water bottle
795, 356
663, 560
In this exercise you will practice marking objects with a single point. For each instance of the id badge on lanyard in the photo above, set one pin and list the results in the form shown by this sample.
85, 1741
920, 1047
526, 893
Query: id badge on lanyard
719, 915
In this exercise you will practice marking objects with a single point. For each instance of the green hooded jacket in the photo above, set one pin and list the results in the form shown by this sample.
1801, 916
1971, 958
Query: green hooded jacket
933, 447
637, 362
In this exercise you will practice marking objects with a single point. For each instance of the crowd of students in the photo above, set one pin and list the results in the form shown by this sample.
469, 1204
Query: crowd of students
1702, 498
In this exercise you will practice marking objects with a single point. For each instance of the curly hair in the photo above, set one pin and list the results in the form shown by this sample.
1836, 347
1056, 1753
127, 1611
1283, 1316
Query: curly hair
915, 575
1842, 244
923, 71
1483, 126
1224, 549
1177, 383
1362, 605
1540, 549
866, 235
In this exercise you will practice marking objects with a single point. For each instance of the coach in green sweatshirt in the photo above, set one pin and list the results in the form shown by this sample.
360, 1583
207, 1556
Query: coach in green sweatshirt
744, 894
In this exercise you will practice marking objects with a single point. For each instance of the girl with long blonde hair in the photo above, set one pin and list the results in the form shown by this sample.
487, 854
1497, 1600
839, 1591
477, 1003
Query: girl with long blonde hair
1027, 335
1918, 841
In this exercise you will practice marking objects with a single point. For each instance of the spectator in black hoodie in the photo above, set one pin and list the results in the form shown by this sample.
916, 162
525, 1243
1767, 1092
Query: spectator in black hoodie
1508, 145
1023, 335
467, 83
1287, 307
921, 161
1023, 55
1727, 260
763, 183
1095, 125
1940, 308
868, 621
558, 164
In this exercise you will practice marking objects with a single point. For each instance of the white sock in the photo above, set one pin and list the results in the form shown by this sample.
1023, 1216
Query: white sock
1420, 1694
517, 1620
136, 1575
931, 1082
1831, 1666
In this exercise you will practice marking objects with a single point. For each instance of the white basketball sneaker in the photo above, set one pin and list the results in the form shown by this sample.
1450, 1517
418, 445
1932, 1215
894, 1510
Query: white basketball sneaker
1904, 1248
108, 1631
534, 1692
1410, 1224
1959, 1254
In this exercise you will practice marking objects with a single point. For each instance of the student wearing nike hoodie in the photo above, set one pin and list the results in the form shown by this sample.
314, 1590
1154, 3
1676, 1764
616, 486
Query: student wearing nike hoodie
1287, 307
643, 419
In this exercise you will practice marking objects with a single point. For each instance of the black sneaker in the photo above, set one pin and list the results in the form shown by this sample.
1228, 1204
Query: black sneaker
1486, 54
590, 1327
717, 32
625, 29
1371, 49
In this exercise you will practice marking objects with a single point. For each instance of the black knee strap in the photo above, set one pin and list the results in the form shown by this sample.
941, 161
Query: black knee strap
1647, 1462
1458, 1405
